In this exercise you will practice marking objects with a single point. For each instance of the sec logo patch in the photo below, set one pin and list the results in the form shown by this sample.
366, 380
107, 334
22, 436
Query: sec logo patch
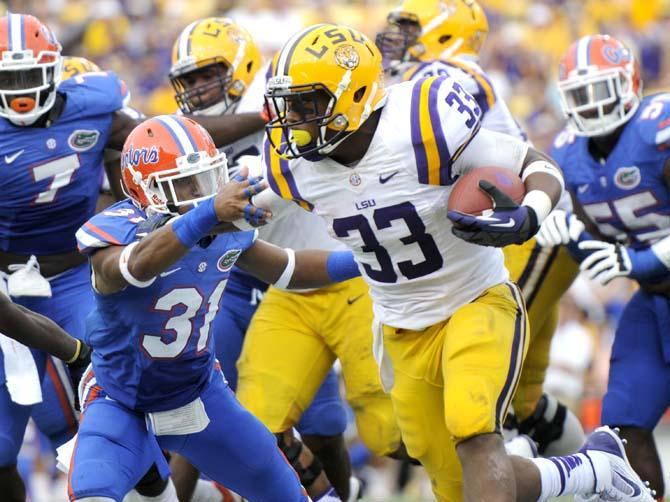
228, 259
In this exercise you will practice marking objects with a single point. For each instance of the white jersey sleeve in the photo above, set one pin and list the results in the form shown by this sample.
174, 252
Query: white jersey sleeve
495, 114
444, 118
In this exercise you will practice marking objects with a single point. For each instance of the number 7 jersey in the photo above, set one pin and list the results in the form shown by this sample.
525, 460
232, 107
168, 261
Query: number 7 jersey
390, 208
51, 176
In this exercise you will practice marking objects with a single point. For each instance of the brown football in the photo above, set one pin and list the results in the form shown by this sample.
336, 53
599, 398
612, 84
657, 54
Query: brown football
467, 197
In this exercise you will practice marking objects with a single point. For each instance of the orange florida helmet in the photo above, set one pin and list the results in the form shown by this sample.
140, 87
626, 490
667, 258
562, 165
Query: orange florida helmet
599, 85
30, 68
169, 162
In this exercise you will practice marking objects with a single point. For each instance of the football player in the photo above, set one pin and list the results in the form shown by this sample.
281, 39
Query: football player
217, 70
450, 334
427, 38
157, 292
614, 153
53, 134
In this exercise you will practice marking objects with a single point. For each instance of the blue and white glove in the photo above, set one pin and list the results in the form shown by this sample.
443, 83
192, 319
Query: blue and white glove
559, 228
509, 223
253, 215
608, 261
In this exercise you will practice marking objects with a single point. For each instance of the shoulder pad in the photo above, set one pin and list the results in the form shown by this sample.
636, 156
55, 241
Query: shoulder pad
115, 226
561, 144
652, 121
96, 93
444, 117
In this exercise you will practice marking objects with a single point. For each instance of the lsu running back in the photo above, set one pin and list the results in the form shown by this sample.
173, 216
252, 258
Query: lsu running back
383, 194
444, 38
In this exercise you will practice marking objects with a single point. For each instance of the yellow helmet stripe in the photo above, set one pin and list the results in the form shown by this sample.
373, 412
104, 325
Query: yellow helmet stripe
482, 82
287, 51
185, 40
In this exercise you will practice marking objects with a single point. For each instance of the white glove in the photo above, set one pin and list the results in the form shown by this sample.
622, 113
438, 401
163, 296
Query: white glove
559, 228
606, 262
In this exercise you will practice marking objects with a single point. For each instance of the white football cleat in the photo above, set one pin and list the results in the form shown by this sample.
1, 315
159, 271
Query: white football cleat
615, 478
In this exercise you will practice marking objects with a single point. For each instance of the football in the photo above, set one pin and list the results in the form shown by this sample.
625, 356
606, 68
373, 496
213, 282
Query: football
467, 197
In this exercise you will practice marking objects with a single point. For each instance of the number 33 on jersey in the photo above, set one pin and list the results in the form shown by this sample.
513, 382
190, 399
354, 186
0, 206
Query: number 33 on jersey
390, 209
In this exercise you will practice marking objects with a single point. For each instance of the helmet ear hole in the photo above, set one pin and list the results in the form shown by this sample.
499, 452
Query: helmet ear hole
358, 95
444, 39
250, 65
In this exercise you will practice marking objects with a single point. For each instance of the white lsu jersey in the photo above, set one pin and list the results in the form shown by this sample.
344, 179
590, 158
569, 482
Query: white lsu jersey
496, 115
390, 209
293, 227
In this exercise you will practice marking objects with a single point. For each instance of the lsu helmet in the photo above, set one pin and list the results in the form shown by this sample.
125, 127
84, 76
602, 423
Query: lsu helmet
30, 68
599, 85
428, 30
73, 66
332, 76
228, 50
169, 162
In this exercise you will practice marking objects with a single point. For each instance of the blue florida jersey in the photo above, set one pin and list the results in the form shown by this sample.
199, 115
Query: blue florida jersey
625, 195
153, 347
50, 176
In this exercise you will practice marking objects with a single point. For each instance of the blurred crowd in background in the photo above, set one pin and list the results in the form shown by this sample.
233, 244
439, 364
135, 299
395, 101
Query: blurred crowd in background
134, 38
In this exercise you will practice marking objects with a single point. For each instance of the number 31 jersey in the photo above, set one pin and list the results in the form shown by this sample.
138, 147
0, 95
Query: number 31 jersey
390, 208
152, 346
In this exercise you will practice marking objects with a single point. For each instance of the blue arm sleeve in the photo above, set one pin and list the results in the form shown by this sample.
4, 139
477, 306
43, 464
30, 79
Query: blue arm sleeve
342, 266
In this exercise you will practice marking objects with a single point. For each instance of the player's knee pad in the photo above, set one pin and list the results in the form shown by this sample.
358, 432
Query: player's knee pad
464, 416
307, 474
553, 427
97, 481
377, 426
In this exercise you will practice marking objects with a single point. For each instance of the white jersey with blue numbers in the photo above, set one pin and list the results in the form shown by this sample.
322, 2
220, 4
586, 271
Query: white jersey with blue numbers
50, 176
153, 346
626, 195
390, 209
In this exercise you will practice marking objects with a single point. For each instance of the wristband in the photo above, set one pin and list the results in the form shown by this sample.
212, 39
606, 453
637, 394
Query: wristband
124, 257
196, 223
287, 274
542, 166
76, 353
342, 266
540, 202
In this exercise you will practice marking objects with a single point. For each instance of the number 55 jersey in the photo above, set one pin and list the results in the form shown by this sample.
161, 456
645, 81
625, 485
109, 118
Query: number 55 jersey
391, 207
